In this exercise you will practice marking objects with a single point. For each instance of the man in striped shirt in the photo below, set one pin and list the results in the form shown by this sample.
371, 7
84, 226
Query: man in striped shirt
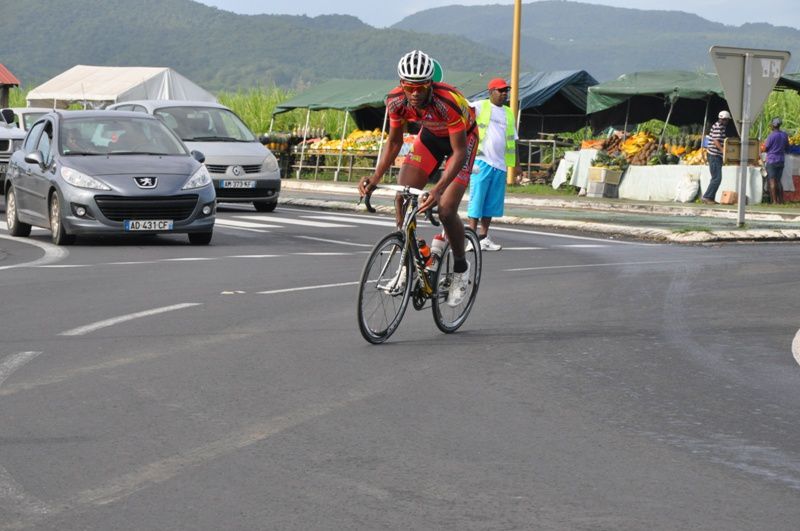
716, 139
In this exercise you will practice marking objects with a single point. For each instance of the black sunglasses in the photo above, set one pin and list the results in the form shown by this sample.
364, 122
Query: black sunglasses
503, 89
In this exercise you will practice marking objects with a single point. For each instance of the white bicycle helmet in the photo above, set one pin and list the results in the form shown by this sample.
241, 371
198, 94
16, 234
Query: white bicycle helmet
415, 67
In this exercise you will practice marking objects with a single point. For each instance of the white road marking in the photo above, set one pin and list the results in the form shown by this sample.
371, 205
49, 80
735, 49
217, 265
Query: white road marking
164, 470
255, 256
52, 253
524, 248
13, 497
82, 330
362, 220
188, 259
796, 347
63, 266
130, 263
244, 224
303, 288
582, 245
14, 362
233, 229
577, 266
290, 221
335, 241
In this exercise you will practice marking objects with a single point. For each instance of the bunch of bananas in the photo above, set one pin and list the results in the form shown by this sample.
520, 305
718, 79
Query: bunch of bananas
696, 157
633, 144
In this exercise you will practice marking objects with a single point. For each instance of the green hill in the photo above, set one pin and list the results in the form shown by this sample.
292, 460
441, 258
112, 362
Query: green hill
223, 50
605, 41
215, 48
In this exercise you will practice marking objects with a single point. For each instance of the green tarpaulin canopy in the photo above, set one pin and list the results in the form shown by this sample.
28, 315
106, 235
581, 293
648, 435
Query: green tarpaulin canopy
340, 94
559, 95
364, 98
685, 97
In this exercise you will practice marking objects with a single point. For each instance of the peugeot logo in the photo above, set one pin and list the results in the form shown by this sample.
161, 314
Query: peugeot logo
145, 182
237, 170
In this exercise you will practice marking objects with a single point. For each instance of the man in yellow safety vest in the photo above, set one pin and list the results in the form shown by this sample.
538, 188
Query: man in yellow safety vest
497, 151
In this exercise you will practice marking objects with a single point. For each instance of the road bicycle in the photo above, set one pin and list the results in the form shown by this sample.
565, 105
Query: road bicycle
396, 272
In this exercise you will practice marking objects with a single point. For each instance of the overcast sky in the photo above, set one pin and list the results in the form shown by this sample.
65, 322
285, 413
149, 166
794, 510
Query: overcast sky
381, 13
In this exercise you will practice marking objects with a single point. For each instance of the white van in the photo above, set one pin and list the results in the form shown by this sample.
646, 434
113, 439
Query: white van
243, 170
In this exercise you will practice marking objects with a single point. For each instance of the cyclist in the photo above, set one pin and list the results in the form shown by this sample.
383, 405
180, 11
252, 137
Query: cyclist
448, 129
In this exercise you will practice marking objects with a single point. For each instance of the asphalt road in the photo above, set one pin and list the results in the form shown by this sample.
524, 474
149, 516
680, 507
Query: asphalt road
598, 385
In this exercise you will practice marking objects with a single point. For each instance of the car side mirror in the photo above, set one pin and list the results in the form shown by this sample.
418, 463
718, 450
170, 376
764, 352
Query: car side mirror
198, 156
8, 116
35, 158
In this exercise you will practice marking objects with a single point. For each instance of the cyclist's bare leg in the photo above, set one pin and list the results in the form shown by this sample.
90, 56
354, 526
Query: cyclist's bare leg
408, 176
448, 213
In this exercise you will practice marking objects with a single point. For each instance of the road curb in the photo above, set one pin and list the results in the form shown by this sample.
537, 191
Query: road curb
644, 233
610, 229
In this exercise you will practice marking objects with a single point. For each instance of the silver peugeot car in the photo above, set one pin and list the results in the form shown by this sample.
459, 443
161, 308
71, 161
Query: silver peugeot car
107, 172
243, 169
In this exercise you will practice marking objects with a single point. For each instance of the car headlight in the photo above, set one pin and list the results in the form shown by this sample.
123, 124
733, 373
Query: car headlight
81, 180
16, 144
200, 178
270, 163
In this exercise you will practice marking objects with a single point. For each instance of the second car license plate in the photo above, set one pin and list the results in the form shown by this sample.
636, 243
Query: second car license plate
233, 183
147, 224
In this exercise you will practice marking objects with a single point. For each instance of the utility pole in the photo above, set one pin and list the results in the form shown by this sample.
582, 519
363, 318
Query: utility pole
514, 81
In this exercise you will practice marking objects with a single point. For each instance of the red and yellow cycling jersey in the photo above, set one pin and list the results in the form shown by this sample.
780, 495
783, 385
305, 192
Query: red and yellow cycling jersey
447, 111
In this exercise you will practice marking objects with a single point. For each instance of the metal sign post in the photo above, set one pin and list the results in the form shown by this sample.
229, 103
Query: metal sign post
747, 77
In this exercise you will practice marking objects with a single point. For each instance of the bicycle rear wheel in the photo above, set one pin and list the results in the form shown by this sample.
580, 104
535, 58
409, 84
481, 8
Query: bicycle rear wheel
384, 290
448, 318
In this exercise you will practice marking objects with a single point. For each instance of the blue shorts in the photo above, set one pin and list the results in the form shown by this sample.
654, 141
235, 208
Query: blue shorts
487, 191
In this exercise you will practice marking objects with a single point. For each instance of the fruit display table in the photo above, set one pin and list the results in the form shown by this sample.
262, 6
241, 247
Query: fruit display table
580, 162
660, 183
791, 176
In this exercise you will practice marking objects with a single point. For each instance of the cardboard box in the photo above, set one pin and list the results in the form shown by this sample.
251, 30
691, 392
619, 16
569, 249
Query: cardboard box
599, 189
729, 198
604, 175
733, 148
792, 197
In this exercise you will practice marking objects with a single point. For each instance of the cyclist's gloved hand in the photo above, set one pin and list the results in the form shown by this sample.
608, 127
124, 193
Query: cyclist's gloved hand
430, 199
366, 186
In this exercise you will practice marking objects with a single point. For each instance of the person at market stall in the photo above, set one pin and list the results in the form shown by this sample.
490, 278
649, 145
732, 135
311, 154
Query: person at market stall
776, 146
716, 139
448, 130
497, 151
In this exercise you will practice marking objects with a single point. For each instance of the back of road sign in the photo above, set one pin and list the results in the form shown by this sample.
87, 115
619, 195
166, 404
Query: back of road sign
765, 69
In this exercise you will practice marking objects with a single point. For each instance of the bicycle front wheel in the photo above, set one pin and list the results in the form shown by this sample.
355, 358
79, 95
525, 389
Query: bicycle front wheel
384, 290
450, 318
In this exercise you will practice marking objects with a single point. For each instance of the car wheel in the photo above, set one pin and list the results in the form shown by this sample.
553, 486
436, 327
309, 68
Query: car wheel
59, 235
264, 206
15, 226
200, 238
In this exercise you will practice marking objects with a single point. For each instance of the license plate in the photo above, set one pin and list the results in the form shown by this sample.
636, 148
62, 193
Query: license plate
147, 224
237, 184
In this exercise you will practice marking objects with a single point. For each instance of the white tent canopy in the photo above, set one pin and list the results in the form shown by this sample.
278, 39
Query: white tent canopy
98, 86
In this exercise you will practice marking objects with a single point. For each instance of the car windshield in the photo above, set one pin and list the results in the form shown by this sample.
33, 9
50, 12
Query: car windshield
117, 136
29, 118
205, 124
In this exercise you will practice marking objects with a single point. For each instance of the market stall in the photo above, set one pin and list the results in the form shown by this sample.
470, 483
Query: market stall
674, 96
549, 101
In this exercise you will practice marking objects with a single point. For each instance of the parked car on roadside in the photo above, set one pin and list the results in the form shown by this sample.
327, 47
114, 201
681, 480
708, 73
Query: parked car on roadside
10, 140
25, 117
107, 172
243, 169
